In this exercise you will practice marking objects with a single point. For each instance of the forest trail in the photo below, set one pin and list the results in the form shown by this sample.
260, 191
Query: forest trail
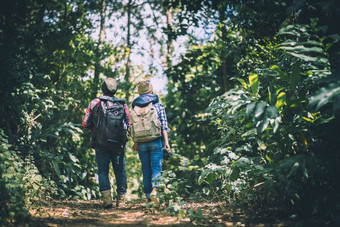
90, 213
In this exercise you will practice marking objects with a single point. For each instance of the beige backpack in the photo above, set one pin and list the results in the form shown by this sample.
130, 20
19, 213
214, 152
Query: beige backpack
145, 125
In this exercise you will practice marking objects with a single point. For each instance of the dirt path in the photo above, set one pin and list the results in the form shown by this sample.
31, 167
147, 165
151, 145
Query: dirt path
91, 213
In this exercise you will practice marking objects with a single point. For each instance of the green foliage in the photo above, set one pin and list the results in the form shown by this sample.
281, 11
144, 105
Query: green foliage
44, 59
12, 204
326, 95
270, 153
199, 78
269, 136
21, 184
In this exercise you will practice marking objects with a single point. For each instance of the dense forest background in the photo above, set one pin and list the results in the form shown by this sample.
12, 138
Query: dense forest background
253, 100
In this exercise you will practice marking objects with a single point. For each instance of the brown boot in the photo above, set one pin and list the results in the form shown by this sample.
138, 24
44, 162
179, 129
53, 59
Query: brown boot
153, 197
120, 201
107, 199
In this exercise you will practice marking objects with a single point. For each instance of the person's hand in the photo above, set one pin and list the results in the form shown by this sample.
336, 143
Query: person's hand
167, 152
167, 146
134, 146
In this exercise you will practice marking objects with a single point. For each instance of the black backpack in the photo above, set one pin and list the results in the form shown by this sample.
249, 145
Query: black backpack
111, 126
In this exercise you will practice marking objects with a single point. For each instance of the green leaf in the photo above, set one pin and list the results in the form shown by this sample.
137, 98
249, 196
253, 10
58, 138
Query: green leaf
277, 122
281, 99
211, 177
235, 174
73, 158
272, 112
264, 124
295, 75
235, 108
251, 132
326, 95
269, 159
250, 108
336, 105
293, 169
254, 83
56, 167
273, 95
294, 43
203, 176
269, 95
304, 49
279, 72
260, 109
309, 59
243, 82
305, 172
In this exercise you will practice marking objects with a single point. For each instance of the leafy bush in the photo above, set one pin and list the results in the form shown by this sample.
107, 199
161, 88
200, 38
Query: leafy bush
21, 185
269, 134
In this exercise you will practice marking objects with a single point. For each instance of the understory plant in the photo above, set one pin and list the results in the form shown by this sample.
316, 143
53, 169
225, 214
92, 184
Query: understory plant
271, 155
22, 186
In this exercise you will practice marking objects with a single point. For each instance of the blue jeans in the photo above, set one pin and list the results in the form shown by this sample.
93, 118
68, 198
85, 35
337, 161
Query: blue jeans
151, 155
116, 155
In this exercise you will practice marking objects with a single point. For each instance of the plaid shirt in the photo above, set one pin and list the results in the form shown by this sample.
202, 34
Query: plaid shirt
162, 116
92, 111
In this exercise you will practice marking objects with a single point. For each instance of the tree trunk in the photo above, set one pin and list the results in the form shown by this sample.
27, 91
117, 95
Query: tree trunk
222, 20
169, 41
97, 66
127, 75
127, 78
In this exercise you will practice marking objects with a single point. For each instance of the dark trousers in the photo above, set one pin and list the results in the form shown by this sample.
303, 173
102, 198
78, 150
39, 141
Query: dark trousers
115, 155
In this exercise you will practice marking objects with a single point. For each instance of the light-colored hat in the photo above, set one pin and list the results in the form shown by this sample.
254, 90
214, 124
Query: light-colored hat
144, 87
109, 86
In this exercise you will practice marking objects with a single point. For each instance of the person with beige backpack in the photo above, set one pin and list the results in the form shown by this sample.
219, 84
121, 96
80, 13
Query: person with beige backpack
149, 131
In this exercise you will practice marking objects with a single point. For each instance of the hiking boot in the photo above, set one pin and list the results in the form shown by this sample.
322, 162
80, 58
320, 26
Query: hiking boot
120, 201
148, 203
153, 197
107, 199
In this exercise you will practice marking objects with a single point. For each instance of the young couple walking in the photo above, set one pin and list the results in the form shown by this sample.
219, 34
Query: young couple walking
109, 119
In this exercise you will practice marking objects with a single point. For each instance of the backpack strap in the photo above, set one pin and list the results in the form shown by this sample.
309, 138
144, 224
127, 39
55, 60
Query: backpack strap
111, 99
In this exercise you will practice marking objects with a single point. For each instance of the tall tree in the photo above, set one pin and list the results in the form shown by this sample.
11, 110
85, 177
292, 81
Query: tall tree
222, 8
98, 51
128, 51
169, 42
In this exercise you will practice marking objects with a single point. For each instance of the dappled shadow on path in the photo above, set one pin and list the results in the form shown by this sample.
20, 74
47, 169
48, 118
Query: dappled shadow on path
90, 213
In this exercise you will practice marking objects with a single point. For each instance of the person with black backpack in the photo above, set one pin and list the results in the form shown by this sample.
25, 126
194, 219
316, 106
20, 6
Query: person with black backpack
109, 119
149, 131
